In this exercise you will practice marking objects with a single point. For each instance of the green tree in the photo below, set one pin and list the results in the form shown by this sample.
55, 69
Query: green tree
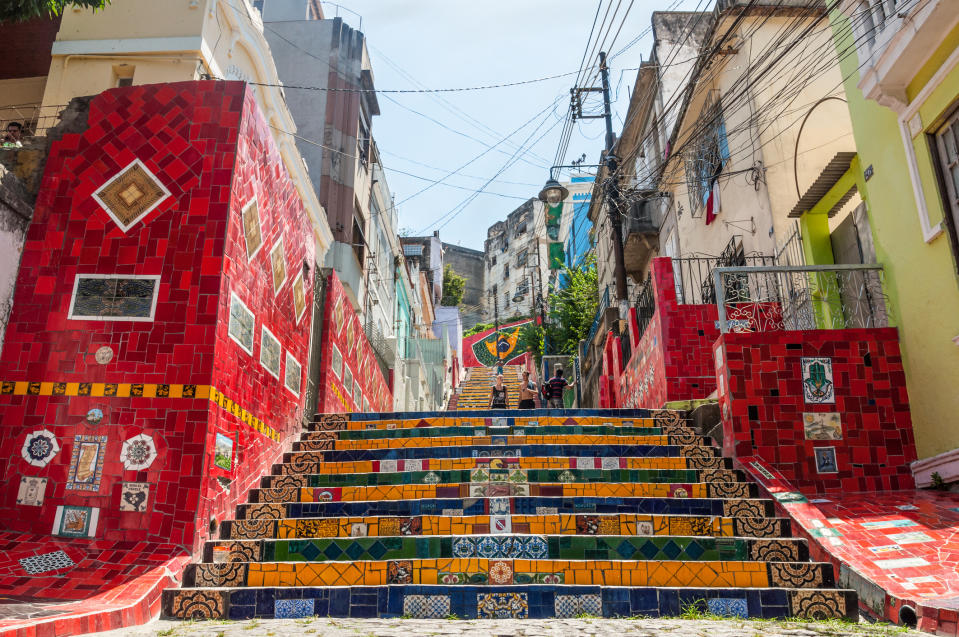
476, 329
21, 10
573, 308
454, 286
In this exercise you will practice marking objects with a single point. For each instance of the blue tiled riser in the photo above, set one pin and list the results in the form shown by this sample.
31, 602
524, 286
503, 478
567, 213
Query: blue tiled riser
471, 602
518, 506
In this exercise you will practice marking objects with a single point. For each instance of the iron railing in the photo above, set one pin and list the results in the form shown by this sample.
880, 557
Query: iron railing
603, 304
645, 306
36, 119
812, 297
693, 275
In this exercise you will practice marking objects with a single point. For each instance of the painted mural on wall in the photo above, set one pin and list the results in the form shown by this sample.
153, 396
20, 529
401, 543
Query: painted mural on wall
350, 378
480, 350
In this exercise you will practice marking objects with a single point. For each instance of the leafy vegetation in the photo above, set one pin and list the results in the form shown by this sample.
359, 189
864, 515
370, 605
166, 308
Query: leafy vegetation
454, 286
21, 10
571, 314
479, 327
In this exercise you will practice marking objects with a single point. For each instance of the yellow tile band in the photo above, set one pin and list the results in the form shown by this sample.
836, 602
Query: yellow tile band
731, 574
500, 464
480, 441
139, 390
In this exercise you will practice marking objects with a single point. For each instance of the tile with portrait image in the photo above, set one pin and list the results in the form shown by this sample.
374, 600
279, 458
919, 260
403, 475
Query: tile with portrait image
826, 460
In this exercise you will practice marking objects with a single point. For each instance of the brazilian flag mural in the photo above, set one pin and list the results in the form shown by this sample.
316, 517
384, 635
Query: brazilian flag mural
508, 343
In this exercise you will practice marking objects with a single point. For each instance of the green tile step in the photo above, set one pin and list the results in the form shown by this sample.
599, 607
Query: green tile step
531, 547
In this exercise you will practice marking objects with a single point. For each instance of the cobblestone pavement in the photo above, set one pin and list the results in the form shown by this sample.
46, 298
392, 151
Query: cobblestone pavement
323, 627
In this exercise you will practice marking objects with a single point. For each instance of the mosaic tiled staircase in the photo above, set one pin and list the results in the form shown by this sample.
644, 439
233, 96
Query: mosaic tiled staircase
505, 514
474, 392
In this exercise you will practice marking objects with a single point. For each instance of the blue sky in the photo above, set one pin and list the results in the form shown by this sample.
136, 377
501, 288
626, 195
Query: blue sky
456, 43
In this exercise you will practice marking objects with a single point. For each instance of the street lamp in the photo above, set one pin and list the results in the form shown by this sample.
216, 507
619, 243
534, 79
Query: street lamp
553, 192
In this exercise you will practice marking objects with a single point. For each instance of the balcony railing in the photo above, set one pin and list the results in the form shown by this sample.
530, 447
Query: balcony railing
36, 119
812, 297
693, 275
603, 304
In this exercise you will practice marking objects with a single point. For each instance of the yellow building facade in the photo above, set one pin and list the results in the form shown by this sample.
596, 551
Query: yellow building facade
901, 71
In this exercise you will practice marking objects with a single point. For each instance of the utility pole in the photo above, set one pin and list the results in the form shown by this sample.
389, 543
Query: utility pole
610, 186
613, 200
499, 358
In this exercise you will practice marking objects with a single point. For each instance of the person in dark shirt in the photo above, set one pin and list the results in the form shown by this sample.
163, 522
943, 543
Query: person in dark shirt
497, 398
527, 393
556, 385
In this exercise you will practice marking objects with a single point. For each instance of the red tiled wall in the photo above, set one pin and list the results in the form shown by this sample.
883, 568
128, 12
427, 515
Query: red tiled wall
762, 403
187, 135
673, 359
342, 330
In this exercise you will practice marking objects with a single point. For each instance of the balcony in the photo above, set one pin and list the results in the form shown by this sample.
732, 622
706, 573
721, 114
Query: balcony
894, 38
641, 235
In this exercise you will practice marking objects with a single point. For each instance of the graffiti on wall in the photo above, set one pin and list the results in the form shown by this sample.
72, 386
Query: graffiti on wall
486, 348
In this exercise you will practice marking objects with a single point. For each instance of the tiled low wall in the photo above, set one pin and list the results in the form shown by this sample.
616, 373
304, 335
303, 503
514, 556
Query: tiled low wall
826, 408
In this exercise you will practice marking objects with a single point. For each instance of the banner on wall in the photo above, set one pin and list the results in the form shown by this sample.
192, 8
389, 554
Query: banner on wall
557, 256
350, 379
554, 215
481, 349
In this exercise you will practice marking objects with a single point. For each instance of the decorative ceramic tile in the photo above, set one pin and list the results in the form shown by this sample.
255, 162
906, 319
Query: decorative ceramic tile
138, 452
40, 447
299, 297
913, 537
134, 496
293, 375
400, 572
426, 606
387, 466
826, 460
412, 465
817, 379
278, 265
74, 521
500, 572
359, 529
107, 297
611, 463
293, 608
223, 452
94, 416
822, 426
337, 361
728, 607
270, 352
53, 561
431, 477
567, 606
32, 490
86, 463
500, 524
502, 605
131, 194
252, 231
241, 324
499, 506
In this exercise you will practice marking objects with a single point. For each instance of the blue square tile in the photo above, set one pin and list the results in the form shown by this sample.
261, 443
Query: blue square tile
293, 608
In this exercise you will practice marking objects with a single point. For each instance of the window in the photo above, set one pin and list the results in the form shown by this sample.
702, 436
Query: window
495, 289
707, 156
241, 324
506, 298
270, 352
947, 145
521, 259
494, 259
293, 373
506, 271
111, 297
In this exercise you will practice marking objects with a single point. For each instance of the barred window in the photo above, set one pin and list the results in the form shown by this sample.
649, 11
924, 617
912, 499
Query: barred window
707, 156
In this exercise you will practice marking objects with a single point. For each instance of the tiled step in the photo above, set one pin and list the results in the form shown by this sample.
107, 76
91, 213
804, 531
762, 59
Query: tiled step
470, 431
328, 441
492, 602
531, 547
707, 574
492, 466
487, 418
468, 523
734, 492
485, 452
308, 466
